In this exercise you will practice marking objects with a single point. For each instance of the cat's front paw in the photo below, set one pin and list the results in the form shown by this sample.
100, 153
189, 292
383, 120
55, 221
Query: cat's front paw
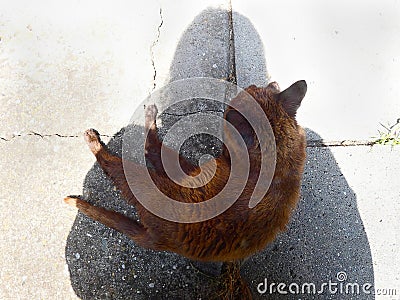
92, 139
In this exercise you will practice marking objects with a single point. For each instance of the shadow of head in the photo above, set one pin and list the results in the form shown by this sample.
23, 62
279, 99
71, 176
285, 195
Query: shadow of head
208, 48
326, 235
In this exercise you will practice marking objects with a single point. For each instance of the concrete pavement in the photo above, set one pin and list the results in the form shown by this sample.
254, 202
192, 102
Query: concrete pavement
68, 67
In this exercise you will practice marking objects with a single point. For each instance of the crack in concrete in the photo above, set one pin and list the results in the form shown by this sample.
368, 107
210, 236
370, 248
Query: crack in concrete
321, 143
343, 143
41, 135
193, 112
155, 42
232, 54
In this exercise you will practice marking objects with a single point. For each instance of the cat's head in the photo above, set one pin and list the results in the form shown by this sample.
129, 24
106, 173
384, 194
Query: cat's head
280, 107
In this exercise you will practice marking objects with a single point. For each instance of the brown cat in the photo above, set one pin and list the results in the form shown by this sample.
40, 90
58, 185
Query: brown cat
239, 231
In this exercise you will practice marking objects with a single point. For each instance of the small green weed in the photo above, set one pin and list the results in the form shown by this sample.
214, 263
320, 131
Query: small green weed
390, 135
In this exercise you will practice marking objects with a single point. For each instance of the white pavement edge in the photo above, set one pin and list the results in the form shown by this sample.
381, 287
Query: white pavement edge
348, 52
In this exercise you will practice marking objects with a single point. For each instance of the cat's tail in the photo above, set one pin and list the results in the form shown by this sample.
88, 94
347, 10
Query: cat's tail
232, 285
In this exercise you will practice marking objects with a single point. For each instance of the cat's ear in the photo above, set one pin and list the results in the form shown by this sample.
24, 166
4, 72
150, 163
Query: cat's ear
290, 99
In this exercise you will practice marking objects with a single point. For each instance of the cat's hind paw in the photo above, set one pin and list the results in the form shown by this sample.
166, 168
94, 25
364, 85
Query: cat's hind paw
73, 201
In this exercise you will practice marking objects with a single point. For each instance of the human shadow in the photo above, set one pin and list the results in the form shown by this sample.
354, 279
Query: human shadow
325, 236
